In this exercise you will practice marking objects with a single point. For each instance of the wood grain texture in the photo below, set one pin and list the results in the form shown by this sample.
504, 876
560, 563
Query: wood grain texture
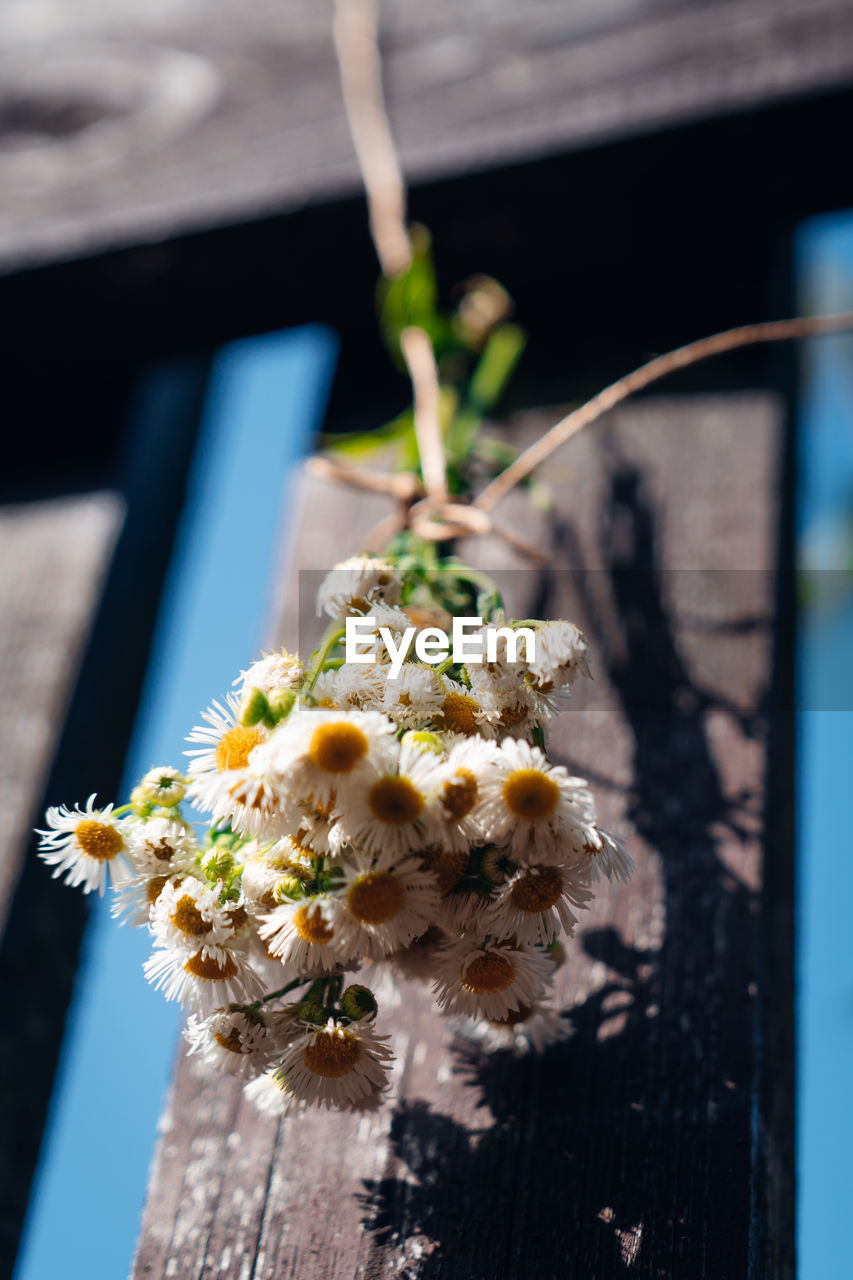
53, 558
122, 123
641, 1146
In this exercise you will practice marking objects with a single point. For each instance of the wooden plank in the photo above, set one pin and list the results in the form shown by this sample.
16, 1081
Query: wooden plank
645, 1141
53, 558
120, 124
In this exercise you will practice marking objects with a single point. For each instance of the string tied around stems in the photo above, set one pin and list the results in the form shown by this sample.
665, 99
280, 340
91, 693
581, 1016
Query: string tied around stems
424, 505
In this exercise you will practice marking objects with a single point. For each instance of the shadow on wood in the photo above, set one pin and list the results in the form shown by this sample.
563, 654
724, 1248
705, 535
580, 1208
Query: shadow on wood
632, 1144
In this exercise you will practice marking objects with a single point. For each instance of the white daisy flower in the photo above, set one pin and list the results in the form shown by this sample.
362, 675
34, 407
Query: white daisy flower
253, 800
312, 933
208, 978
534, 905
533, 804
264, 870
231, 1040
315, 753
318, 833
524, 1031
609, 857
390, 903
356, 584
389, 811
278, 672
458, 796
489, 980
163, 786
161, 850
460, 714
560, 655
220, 778
507, 705
336, 1065
273, 1096
160, 846
188, 915
135, 897
350, 688
85, 844
415, 696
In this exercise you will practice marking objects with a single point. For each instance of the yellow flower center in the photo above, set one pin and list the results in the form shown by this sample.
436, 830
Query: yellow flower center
447, 865
231, 1042
488, 973
237, 917
154, 888
530, 795
98, 839
338, 747
458, 714
188, 918
331, 1055
460, 795
209, 969
235, 747
310, 924
395, 801
376, 897
537, 890
511, 716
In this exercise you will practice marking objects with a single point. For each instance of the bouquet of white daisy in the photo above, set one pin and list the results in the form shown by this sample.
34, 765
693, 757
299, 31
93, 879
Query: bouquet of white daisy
394, 815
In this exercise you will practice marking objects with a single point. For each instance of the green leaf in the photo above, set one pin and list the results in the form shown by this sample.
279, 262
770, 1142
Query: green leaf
412, 297
362, 444
494, 369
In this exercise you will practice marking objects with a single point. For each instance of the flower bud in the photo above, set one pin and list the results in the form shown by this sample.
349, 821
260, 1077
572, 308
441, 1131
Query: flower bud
280, 704
287, 888
425, 739
254, 708
358, 1002
140, 803
163, 786
217, 863
311, 1011
493, 864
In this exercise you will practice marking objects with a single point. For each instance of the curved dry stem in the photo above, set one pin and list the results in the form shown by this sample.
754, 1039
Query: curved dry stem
360, 65
644, 376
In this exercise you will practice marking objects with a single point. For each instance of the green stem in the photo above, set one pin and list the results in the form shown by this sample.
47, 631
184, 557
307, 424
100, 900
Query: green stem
316, 993
330, 640
274, 995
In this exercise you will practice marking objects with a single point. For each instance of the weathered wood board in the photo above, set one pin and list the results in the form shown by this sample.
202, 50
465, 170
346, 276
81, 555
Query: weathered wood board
122, 123
647, 1144
53, 558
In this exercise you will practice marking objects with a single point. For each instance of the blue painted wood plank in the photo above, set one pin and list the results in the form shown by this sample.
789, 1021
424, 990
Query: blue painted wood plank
265, 400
